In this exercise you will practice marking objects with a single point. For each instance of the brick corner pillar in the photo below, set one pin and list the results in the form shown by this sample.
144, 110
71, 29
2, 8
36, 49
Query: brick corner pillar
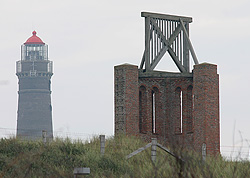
126, 99
206, 109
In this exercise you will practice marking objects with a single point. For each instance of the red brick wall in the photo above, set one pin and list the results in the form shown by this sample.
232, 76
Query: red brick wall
189, 125
126, 100
206, 108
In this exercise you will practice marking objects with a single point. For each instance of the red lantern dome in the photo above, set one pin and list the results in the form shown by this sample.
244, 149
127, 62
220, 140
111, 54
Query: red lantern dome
34, 40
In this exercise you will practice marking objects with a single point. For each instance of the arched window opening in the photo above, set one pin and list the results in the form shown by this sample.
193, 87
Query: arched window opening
181, 108
190, 107
142, 109
153, 113
193, 102
178, 110
155, 110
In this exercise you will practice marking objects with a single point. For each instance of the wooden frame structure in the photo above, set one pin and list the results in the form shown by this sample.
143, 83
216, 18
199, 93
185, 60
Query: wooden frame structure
153, 146
167, 33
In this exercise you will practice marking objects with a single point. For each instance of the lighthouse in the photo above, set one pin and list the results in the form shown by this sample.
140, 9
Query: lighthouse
34, 72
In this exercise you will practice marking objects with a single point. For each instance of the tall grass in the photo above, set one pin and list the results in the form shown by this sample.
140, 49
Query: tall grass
58, 158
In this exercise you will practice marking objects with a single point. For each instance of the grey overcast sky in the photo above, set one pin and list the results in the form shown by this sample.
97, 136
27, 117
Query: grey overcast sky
87, 38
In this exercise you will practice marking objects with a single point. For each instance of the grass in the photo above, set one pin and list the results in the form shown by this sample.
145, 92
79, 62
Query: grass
58, 158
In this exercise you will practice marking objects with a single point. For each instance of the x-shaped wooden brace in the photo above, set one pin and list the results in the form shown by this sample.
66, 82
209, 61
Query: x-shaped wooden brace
167, 45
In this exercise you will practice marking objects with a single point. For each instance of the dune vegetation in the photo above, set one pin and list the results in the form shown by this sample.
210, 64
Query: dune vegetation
59, 157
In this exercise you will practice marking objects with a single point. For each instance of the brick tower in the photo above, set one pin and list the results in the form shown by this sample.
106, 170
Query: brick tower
179, 109
34, 72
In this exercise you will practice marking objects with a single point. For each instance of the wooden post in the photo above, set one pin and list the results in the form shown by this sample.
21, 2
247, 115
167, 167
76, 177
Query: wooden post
147, 43
204, 151
153, 149
185, 48
185, 29
44, 135
102, 144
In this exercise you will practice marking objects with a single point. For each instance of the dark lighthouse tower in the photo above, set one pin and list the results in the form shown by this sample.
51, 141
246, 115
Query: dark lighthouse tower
34, 72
